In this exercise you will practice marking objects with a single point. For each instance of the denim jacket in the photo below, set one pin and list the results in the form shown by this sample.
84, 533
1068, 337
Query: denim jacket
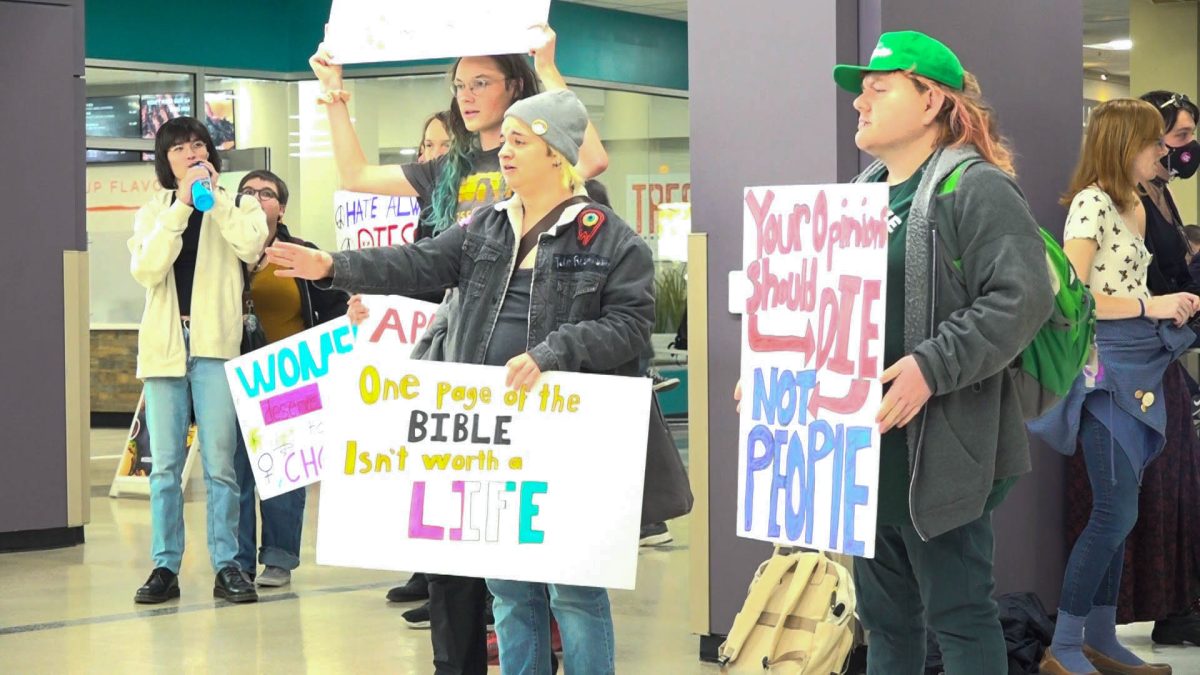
591, 304
1134, 354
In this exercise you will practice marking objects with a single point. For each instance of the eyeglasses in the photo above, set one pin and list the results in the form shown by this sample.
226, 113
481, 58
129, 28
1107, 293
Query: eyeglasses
476, 86
265, 193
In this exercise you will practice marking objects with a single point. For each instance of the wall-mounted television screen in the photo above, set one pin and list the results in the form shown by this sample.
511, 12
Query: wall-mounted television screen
104, 156
112, 116
218, 113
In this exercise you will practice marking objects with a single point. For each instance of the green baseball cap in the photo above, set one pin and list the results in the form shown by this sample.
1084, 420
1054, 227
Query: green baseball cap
905, 50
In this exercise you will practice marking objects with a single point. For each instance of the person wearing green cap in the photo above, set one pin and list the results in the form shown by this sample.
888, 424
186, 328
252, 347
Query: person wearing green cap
965, 295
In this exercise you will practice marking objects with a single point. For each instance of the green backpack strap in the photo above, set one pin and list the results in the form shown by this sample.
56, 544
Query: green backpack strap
950, 183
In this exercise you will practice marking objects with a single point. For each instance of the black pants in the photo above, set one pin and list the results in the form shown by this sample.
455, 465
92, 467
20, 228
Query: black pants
458, 625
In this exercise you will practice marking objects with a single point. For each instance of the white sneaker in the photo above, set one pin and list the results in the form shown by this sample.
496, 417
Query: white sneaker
274, 577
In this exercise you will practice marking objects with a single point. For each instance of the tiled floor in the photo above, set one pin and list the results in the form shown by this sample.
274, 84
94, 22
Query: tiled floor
71, 610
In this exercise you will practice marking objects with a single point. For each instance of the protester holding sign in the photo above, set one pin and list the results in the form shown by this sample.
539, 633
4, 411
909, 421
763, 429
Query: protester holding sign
452, 187
469, 175
548, 281
1117, 409
953, 431
188, 261
285, 307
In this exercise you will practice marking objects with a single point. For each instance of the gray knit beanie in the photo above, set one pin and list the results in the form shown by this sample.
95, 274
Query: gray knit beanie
558, 117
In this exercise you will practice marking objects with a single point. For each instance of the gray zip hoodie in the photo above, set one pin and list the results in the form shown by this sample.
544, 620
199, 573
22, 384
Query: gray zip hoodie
965, 324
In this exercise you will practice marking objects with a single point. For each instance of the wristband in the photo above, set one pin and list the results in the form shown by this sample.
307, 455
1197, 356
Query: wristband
333, 96
1142, 305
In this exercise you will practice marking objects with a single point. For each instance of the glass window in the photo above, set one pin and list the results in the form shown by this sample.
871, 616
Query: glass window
122, 108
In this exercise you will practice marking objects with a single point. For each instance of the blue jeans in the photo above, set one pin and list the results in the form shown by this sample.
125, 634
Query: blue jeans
1093, 574
282, 520
169, 403
522, 611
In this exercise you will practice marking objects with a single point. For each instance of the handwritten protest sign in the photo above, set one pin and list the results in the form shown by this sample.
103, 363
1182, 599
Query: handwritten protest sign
812, 348
362, 220
441, 468
370, 31
281, 392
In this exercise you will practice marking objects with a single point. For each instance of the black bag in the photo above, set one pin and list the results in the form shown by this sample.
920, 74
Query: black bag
253, 335
1028, 630
666, 492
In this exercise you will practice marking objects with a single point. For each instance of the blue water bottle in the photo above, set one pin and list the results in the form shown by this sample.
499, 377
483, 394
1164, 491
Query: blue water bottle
202, 194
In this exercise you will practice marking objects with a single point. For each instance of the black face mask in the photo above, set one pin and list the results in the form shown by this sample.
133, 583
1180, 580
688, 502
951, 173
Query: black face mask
1183, 161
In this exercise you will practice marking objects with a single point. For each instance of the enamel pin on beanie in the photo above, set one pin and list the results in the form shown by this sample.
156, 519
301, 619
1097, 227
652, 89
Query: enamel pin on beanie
588, 221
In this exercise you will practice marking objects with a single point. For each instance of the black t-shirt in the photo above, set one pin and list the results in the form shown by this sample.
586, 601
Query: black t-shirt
185, 264
483, 186
511, 336
1168, 272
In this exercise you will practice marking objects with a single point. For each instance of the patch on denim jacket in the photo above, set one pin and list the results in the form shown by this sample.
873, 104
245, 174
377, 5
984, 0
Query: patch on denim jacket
589, 222
580, 262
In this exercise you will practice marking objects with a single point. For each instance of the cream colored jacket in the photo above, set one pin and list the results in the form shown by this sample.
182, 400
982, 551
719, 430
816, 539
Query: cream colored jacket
231, 231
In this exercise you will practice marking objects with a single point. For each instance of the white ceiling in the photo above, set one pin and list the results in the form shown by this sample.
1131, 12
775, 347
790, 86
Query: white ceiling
667, 9
1105, 20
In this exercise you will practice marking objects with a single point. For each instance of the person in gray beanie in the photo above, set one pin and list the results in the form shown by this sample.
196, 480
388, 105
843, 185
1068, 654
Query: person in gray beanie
570, 287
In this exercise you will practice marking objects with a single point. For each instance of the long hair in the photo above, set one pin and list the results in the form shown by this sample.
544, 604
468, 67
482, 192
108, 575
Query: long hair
443, 118
523, 83
1116, 133
966, 119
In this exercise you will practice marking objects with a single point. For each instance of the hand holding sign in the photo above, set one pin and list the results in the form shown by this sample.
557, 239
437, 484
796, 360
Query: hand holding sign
909, 393
357, 310
294, 260
523, 372
545, 41
328, 73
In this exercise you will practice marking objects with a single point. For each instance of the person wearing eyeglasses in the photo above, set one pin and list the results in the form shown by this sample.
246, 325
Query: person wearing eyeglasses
189, 263
285, 307
453, 187
1114, 414
1160, 576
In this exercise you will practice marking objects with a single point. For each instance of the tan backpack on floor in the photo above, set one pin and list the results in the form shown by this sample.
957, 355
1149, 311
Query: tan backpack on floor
798, 618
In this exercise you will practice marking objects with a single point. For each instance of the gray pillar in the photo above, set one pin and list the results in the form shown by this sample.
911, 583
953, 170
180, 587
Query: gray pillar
42, 192
765, 111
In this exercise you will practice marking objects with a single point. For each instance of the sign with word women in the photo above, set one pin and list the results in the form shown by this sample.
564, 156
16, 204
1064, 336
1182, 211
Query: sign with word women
812, 354
281, 392
439, 467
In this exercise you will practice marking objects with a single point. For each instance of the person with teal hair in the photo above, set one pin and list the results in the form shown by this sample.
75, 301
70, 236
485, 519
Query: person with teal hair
453, 187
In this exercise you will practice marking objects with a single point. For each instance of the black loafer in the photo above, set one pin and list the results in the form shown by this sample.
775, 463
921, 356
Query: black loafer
162, 585
416, 589
233, 586
1177, 630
